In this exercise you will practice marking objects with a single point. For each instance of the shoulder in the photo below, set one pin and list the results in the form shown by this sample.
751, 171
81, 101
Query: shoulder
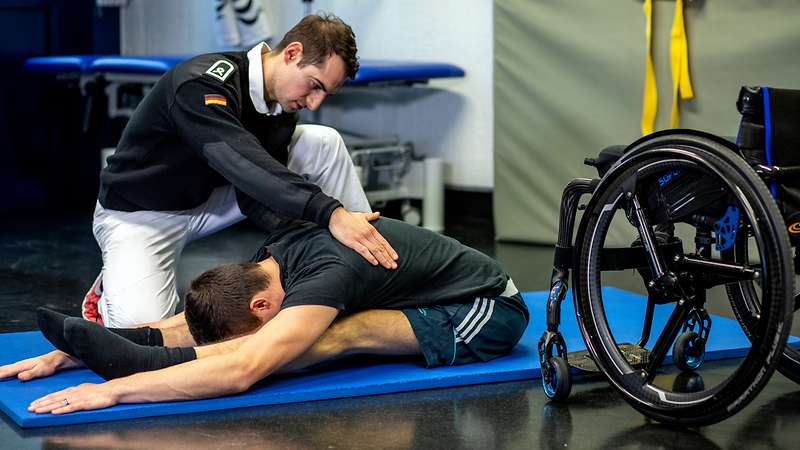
327, 282
218, 68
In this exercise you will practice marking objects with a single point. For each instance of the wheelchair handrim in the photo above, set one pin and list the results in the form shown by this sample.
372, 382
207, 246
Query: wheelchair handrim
660, 399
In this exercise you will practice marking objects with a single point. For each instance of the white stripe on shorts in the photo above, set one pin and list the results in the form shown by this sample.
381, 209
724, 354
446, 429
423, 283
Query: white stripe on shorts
475, 319
473, 323
478, 316
480, 325
469, 315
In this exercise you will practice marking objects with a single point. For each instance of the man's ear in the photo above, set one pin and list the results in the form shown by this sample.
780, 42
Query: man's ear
260, 304
263, 308
292, 52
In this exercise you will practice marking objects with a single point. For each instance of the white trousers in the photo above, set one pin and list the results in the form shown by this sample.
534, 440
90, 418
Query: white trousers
141, 249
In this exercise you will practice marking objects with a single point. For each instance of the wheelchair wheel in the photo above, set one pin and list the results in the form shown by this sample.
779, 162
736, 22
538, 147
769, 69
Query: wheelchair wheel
695, 183
789, 364
688, 351
747, 307
559, 384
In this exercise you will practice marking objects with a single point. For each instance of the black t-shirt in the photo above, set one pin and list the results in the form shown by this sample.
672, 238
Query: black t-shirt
432, 269
198, 129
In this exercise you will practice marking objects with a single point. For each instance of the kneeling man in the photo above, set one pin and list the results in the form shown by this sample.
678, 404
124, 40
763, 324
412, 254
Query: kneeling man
305, 299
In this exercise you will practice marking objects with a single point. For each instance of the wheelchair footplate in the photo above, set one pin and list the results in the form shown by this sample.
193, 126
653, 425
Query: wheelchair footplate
636, 356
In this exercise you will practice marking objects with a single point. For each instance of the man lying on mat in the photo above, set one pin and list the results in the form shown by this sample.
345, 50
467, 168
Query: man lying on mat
307, 299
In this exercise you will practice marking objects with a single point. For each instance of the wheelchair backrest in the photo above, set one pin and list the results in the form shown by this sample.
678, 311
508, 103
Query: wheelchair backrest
769, 135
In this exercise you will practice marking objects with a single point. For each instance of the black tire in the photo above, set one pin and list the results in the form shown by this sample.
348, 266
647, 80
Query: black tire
559, 386
706, 158
688, 351
789, 364
746, 307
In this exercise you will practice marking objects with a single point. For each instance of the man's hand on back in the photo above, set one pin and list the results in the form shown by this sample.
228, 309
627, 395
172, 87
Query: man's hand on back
355, 231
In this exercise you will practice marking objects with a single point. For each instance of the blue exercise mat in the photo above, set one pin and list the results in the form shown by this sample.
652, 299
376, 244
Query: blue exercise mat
356, 378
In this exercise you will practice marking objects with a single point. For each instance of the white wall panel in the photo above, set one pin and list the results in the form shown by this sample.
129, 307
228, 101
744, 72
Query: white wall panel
452, 119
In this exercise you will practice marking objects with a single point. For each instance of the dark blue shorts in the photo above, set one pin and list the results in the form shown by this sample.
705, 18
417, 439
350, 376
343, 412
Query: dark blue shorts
480, 329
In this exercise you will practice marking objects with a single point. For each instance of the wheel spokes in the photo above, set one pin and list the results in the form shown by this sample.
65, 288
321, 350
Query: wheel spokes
671, 330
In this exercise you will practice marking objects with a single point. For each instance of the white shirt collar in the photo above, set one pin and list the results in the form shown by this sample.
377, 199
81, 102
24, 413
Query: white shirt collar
256, 80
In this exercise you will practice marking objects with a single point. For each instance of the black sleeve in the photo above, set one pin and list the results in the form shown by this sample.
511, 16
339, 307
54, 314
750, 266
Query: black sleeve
264, 218
218, 136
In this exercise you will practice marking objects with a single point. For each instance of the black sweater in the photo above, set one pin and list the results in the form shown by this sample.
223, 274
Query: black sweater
194, 132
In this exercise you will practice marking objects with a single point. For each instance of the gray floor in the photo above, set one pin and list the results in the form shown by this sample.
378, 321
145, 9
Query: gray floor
51, 262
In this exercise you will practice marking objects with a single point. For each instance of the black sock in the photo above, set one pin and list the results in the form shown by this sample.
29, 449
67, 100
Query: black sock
51, 324
113, 356
150, 337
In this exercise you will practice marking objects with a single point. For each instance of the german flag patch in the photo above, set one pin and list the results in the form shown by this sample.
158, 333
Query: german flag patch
214, 99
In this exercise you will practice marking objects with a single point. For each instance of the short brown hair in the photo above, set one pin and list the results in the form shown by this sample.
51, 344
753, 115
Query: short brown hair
218, 302
322, 36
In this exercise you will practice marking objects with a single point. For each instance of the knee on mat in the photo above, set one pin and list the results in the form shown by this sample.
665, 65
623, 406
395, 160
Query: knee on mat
516, 327
121, 312
502, 336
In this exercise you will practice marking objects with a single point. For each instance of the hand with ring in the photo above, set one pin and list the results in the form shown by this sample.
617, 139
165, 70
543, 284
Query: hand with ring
78, 398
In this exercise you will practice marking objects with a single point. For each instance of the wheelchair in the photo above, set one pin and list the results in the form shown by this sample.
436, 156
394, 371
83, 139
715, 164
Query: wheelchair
701, 214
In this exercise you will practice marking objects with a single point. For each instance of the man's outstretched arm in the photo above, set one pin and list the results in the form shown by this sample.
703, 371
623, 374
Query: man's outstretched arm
277, 343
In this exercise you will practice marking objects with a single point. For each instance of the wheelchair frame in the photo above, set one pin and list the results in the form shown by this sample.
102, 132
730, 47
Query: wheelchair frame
650, 257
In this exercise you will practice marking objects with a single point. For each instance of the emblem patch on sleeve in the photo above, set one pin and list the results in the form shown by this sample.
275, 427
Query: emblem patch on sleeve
221, 70
214, 99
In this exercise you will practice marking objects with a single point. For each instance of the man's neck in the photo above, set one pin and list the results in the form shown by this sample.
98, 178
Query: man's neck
272, 269
267, 62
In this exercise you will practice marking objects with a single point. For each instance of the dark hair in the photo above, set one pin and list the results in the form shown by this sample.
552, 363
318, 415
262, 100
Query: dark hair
321, 36
218, 302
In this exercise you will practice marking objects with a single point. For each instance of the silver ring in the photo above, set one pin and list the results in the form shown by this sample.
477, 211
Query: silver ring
66, 402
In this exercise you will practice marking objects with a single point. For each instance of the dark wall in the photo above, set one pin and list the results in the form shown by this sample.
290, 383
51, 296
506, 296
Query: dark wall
48, 165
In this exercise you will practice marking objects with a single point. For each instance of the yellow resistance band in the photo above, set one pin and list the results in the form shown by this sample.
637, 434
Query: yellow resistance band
650, 93
679, 62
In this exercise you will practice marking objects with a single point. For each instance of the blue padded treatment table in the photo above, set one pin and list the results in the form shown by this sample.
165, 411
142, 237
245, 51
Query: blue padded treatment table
371, 71
151, 65
355, 378
406, 72
78, 64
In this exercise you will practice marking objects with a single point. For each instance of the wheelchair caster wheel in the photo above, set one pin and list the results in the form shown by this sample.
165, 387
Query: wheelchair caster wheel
559, 384
688, 351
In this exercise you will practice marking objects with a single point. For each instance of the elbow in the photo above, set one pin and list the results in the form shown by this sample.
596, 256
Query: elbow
240, 385
244, 374
237, 377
